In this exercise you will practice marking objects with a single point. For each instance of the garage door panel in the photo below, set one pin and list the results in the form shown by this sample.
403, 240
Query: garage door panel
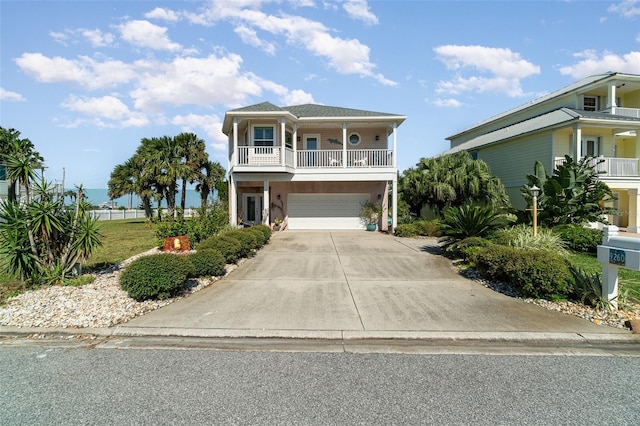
325, 211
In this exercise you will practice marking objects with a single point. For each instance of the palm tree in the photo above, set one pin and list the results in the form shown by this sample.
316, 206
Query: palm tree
195, 158
209, 180
21, 160
453, 180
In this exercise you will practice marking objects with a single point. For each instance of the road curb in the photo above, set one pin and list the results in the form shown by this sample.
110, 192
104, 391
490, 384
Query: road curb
345, 336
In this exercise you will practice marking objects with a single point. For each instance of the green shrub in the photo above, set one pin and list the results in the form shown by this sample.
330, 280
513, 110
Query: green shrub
260, 234
158, 276
208, 222
521, 236
406, 230
428, 228
230, 248
266, 231
422, 227
468, 247
247, 240
580, 239
207, 263
533, 273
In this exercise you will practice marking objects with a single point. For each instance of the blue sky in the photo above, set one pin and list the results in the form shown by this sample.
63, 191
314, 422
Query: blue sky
86, 80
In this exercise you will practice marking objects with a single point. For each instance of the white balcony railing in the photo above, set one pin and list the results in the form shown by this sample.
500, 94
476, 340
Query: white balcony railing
616, 167
625, 112
260, 156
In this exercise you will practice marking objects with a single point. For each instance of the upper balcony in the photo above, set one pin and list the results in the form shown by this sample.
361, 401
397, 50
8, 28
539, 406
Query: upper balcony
275, 158
612, 167
625, 112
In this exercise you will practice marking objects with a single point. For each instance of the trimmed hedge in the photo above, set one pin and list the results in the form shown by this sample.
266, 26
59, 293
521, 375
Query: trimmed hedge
207, 263
248, 240
533, 273
580, 239
229, 247
158, 276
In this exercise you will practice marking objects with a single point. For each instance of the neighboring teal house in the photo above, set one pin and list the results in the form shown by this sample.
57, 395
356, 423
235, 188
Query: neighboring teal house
599, 116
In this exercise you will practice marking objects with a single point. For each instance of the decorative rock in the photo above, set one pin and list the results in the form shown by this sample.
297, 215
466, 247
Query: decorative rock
99, 304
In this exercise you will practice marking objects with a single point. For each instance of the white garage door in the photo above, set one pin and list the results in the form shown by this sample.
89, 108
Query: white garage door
326, 211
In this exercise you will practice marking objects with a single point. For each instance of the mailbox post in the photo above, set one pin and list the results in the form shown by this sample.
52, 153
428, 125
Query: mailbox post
616, 252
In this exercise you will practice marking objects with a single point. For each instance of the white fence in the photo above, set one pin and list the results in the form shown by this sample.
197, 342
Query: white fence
107, 214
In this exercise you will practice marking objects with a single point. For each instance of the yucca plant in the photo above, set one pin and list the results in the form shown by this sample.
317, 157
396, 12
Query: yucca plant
471, 220
588, 289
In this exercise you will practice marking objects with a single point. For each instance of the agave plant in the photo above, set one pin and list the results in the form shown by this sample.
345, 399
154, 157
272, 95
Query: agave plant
471, 220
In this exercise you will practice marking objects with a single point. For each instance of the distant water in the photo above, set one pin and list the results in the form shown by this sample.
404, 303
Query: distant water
99, 196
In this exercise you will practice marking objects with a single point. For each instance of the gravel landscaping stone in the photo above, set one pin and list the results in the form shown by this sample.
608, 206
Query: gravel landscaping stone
99, 304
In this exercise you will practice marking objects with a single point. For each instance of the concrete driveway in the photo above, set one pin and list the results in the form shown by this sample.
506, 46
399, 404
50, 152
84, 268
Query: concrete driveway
350, 281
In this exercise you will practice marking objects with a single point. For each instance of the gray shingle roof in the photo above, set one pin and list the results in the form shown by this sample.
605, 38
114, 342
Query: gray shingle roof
550, 119
313, 110
567, 89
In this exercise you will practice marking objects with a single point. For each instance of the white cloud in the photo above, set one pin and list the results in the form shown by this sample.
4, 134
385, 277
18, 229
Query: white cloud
297, 97
626, 8
250, 36
84, 71
6, 95
210, 124
590, 63
505, 69
145, 34
97, 38
448, 103
59, 37
346, 56
162, 14
104, 108
194, 81
359, 9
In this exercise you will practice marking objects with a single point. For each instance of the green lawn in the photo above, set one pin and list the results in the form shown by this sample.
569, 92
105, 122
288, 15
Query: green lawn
121, 240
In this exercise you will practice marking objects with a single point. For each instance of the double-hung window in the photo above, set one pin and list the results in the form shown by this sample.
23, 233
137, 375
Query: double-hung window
590, 103
263, 136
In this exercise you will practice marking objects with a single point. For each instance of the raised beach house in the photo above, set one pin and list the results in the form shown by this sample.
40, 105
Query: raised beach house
310, 166
596, 116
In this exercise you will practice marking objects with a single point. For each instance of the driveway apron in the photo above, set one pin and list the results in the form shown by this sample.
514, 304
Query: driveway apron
355, 281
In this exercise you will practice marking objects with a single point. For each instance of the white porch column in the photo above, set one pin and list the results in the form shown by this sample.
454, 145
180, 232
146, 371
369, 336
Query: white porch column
234, 159
394, 201
233, 201
344, 145
395, 158
282, 142
295, 145
634, 209
577, 142
265, 203
611, 97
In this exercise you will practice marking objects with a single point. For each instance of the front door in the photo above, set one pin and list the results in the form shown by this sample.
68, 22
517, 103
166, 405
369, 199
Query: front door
253, 208
312, 145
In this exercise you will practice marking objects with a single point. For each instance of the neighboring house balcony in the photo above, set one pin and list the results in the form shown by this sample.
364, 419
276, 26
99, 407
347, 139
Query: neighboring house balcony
625, 112
612, 167
261, 158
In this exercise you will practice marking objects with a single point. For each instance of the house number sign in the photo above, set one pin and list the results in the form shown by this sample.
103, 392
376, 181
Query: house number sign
617, 257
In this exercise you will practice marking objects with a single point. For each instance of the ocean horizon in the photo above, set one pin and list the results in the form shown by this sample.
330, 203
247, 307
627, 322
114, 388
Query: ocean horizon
98, 196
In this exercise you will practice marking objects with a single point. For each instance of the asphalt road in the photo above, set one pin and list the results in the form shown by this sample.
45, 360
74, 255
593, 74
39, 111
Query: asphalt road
72, 386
